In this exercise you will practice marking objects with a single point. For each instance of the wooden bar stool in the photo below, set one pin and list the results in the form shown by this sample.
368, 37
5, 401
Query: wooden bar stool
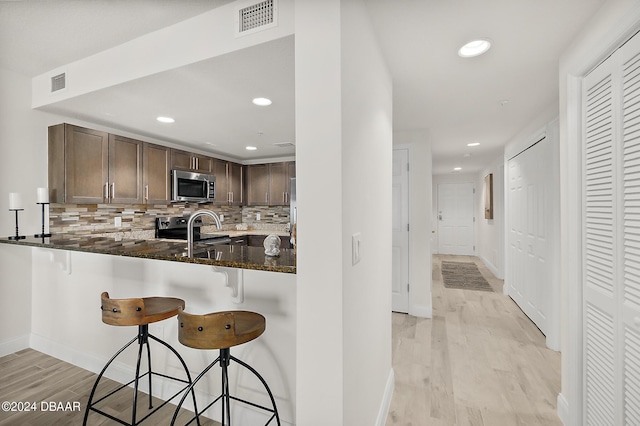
140, 312
222, 330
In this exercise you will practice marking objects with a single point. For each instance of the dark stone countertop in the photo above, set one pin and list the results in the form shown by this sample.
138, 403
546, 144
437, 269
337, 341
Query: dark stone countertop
231, 256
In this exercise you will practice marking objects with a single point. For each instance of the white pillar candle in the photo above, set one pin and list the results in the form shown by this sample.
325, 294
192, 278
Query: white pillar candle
15, 201
43, 195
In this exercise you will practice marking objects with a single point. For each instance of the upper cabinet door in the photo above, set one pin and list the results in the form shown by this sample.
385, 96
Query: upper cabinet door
183, 160
222, 186
125, 170
156, 174
234, 176
86, 171
278, 183
203, 164
258, 185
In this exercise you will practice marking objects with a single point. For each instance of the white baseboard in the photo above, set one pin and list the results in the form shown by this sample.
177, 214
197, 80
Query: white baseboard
563, 409
122, 373
420, 311
386, 400
14, 345
490, 266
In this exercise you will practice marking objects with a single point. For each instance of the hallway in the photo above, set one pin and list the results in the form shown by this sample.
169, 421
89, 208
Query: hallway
478, 361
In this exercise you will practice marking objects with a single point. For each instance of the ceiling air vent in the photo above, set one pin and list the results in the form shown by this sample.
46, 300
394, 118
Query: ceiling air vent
257, 16
58, 82
284, 144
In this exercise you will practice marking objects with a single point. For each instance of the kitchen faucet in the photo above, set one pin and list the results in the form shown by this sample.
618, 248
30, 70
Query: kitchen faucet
190, 223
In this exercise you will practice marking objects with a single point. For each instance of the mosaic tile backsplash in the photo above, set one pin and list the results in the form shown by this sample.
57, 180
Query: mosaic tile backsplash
139, 219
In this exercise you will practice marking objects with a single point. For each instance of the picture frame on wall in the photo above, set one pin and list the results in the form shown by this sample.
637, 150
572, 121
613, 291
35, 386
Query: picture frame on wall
488, 196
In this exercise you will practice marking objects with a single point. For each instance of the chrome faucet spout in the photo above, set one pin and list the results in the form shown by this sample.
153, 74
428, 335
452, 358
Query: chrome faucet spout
190, 223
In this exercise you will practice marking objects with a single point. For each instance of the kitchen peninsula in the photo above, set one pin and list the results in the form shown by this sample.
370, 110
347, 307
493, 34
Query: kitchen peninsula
69, 272
224, 255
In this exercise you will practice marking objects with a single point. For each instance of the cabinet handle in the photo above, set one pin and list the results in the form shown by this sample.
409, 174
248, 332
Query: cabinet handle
284, 197
146, 192
197, 163
113, 190
106, 190
266, 197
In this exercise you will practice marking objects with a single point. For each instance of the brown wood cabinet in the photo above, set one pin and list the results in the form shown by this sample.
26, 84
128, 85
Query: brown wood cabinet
91, 167
125, 170
257, 185
156, 176
183, 160
78, 165
235, 184
228, 182
270, 184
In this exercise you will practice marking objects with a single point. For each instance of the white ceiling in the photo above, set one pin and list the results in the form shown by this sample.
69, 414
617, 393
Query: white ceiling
454, 101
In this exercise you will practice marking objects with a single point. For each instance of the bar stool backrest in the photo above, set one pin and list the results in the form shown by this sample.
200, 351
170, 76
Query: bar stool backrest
219, 329
122, 311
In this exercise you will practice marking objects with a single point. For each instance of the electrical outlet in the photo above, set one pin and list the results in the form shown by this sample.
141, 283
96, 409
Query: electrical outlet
117, 222
257, 216
221, 218
356, 239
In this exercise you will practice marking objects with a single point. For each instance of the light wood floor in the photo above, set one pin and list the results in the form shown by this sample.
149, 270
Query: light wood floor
478, 361
31, 376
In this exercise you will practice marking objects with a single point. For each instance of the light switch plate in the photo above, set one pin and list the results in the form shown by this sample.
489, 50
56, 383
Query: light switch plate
117, 222
356, 239
257, 216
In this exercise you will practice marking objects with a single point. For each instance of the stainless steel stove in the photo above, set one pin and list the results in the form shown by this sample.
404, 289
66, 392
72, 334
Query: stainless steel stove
175, 228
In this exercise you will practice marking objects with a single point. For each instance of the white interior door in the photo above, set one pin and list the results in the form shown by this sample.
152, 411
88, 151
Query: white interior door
529, 279
400, 244
456, 218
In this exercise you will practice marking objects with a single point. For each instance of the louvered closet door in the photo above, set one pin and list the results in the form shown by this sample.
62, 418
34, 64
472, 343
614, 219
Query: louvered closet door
630, 58
611, 263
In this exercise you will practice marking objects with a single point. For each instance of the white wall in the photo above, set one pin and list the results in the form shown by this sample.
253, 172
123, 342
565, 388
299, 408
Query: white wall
23, 160
320, 348
344, 323
420, 219
366, 209
23, 153
615, 22
490, 244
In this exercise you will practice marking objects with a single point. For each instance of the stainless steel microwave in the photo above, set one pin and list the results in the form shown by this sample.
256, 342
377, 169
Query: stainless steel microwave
192, 187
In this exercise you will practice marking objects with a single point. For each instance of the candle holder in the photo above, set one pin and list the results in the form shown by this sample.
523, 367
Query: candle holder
17, 236
42, 235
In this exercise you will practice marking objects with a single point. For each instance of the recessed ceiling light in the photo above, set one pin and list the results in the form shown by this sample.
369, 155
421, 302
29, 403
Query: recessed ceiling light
457, 169
473, 144
474, 48
261, 101
165, 119
250, 148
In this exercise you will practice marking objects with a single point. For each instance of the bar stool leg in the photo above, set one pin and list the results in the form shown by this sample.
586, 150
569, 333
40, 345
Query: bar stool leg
191, 389
226, 403
150, 373
264, 383
143, 339
95, 385
137, 378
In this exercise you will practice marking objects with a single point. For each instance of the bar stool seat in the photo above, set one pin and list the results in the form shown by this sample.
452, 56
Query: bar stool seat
223, 330
141, 312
